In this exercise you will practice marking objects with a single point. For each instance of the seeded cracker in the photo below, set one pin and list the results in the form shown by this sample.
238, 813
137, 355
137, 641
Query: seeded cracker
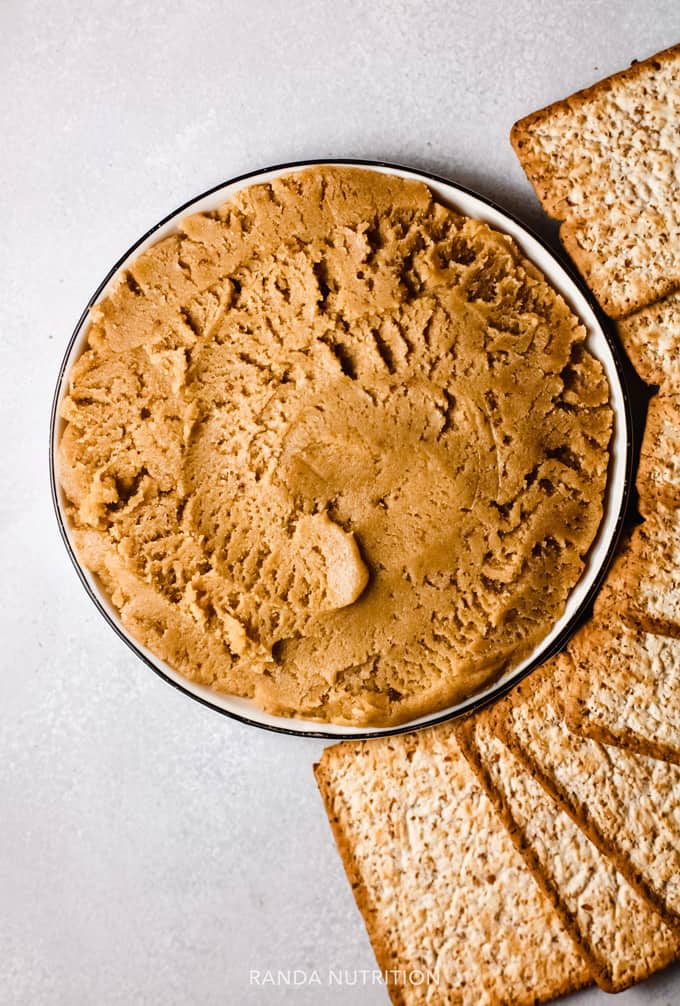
604, 162
620, 935
626, 689
437, 879
650, 581
651, 338
611, 598
658, 478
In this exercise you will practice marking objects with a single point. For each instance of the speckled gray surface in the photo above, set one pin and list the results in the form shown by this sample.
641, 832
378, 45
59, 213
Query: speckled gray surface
151, 851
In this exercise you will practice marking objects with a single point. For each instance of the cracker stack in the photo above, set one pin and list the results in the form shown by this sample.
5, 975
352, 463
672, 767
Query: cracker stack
452, 914
505, 858
601, 162
621, 936
537, 843
626, 803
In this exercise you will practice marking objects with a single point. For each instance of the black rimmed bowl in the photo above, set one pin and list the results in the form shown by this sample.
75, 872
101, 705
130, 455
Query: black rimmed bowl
618, 484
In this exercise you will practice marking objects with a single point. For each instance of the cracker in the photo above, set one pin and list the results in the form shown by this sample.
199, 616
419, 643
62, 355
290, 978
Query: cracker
623, 939
626, 689
651, 338
651, 579
603, 162
658, 479
612, 592
628, 804
437, 879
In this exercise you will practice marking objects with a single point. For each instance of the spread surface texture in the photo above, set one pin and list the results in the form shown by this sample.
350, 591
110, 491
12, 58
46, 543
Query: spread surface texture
336, 448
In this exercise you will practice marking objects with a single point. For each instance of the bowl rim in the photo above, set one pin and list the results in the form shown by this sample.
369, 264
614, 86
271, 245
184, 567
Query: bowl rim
494, 692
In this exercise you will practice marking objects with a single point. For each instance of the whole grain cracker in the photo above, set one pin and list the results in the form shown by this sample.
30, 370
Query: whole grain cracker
626, 689
658, 479
603, 162
622, 938
437, 879
628, 804
611, 595
651, 575
651, 338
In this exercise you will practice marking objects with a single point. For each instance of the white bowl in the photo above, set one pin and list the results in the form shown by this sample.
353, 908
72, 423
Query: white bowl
598, 342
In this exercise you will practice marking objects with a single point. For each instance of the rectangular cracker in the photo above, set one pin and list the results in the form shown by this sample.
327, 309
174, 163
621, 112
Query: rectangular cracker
651, 339
626, 689
623, 939
437, 879
658, 479
628, 804
603, 162
651, 575
611, 595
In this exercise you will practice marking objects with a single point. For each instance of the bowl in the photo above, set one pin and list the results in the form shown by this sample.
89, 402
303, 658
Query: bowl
618, 485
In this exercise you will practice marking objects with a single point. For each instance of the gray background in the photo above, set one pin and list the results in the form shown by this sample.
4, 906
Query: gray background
150, 850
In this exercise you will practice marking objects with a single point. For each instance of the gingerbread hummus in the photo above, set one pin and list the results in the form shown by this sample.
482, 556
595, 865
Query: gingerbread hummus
336, 448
